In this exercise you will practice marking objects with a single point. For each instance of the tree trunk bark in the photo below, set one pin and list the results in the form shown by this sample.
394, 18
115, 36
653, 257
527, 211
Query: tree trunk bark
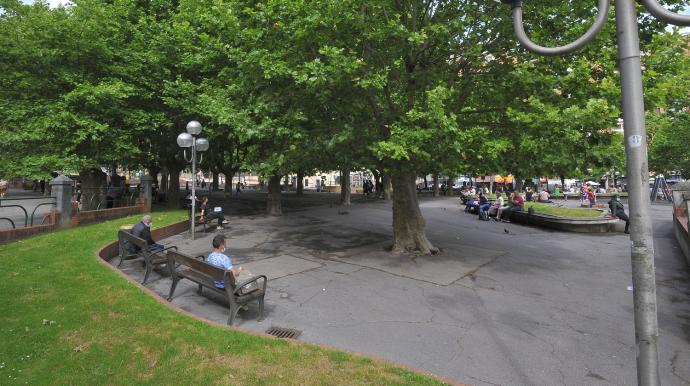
164, 181
563, 183
408, 224
93, 186
518, 183
491, 184
377, 182
300, 183
387, 187
174, 184
273, 204
214, 184
426, 183
345, 187
436, 186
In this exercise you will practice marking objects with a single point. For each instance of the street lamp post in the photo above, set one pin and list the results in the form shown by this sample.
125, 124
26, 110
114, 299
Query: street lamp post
190, 140
642, 252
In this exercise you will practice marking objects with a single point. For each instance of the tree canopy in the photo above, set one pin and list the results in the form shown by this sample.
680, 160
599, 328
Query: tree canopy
293, 86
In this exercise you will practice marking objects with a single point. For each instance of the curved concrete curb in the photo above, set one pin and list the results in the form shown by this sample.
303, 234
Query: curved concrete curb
111, 250
567, 224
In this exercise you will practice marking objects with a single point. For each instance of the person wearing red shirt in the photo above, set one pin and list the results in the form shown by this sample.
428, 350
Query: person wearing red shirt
518, 206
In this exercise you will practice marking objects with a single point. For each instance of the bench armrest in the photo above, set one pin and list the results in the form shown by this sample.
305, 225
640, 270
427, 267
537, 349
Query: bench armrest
161, 250
203, 258
239, 286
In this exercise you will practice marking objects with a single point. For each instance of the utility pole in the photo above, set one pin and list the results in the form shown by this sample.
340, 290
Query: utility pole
642, 249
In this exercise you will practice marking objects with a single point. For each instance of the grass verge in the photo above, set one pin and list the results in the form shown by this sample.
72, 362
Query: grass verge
553, 210
66, 319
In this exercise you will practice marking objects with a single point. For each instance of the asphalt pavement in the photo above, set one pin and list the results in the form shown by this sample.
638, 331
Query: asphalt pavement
502, 304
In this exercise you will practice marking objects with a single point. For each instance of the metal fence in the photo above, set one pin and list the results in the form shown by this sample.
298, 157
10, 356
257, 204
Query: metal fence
13, 209
106, 197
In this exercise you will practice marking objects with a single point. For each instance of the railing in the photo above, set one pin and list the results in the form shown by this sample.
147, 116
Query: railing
106, 198
28, 220
10, 220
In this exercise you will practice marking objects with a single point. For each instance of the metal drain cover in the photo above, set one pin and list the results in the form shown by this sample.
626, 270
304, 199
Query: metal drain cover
282, 332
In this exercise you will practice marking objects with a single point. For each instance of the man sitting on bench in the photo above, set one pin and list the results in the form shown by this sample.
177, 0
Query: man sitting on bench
209, 214
143, 231
219, 259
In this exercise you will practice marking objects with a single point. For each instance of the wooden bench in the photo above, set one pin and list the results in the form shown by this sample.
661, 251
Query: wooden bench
151, 259
202, 273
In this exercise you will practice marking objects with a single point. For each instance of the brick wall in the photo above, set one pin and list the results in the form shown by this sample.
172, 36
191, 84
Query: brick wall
14, 234
105, 214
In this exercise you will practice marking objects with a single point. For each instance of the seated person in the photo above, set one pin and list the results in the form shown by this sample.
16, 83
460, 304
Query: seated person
529, 194
544, 197
495, 210
143, 231
208, 213
219, 259
618, 210
518, 206
471, 205
484, 205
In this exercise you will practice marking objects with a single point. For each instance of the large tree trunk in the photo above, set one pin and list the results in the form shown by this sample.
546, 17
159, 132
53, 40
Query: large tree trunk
93, 187
377, 182
273, 204
345, 187
300, 183
408, 224
519, 183
174, 184
387, 187
563, 183
426, 183
214, 184
436, 186
164, 182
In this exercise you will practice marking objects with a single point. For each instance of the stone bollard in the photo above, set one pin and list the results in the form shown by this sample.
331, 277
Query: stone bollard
146, 192
61, 187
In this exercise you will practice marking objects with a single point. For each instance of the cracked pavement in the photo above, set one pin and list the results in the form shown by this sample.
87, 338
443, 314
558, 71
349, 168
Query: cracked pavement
531, 307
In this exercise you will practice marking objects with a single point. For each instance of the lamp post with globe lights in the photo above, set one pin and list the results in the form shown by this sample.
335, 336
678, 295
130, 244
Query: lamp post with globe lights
189, 140
642, 251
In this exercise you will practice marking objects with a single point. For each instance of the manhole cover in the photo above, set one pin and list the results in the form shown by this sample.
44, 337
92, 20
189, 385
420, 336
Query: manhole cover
282, 332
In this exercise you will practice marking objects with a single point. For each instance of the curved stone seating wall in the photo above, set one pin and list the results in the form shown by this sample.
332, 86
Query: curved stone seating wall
567, 224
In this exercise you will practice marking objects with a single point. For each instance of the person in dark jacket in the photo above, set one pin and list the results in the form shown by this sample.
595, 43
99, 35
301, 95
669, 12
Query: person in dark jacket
143, 231
618, 210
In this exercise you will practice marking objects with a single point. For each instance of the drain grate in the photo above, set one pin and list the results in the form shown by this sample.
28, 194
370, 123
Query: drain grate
282, 332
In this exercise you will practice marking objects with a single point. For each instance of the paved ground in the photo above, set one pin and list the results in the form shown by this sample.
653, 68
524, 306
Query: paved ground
526, 307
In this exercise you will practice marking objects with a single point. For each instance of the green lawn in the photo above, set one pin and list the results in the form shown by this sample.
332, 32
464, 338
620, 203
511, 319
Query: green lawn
553, 210
66, 319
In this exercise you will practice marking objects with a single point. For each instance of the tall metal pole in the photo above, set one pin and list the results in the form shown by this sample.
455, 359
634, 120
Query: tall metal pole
642, 254
193, 186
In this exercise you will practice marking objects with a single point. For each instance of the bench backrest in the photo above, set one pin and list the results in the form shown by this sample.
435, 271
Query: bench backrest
202, 267
133, 240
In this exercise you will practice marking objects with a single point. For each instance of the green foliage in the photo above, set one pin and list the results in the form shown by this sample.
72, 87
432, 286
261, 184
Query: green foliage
292, 85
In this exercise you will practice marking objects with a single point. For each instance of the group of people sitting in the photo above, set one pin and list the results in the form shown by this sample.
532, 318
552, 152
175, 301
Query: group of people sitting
543, 196
500, 210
